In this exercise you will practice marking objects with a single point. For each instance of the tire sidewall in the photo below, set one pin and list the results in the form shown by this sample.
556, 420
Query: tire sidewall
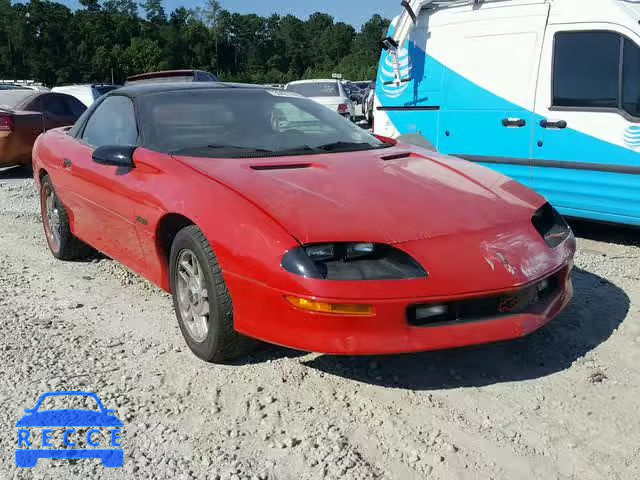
44, 184
206, 349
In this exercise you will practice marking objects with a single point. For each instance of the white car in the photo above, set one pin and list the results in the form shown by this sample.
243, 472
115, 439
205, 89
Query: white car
330, 93
87, 94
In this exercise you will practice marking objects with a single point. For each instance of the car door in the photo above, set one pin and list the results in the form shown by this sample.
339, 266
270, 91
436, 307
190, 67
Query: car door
586, 152
105, 195
490, 59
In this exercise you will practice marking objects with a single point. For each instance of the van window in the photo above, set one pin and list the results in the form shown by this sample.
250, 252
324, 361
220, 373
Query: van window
586, 69
587, 72
631, 78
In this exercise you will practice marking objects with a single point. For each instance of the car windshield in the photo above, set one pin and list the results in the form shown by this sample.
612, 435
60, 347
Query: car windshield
315, 89
229, 123
14, 98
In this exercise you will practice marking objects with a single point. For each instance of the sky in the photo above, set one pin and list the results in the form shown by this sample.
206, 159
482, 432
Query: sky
354, 12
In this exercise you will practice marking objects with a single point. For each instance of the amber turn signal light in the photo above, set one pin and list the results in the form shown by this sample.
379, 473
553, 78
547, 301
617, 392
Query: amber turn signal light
330, 308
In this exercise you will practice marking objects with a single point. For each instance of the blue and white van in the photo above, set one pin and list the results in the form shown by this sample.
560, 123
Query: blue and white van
545, 91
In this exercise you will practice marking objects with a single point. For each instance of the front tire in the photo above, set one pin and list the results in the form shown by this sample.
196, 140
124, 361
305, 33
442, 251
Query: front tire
55, 220
201, 300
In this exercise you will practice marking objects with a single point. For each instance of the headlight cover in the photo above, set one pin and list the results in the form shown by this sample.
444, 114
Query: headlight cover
550, 225
352, 261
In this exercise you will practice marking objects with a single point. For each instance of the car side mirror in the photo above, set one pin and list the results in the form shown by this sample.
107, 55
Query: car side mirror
114, 155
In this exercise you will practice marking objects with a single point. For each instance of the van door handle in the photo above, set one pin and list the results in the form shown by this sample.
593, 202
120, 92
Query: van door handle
514, 122
559, 124
66, 163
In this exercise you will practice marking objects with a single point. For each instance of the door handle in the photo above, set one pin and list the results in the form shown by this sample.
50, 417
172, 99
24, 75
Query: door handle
514, 122
66, 163
559, 124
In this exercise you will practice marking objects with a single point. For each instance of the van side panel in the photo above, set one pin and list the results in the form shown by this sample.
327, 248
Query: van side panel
494, 61
486, 58
591, 167
413, 106
476, 121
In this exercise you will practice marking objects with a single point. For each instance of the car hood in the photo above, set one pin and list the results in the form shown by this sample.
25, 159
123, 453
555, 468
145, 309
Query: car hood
390, 195
69, 418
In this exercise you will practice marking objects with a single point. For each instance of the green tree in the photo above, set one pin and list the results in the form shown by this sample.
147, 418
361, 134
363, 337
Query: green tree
154, 11
46, 41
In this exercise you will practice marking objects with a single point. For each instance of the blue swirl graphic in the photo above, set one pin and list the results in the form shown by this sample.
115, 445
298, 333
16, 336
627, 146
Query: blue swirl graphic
387, 73
632, 137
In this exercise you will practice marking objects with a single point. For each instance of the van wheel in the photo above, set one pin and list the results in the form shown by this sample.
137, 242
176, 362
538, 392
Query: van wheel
62, 243
201, 300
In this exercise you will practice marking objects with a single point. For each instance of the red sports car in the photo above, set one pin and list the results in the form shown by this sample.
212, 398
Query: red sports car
269, 217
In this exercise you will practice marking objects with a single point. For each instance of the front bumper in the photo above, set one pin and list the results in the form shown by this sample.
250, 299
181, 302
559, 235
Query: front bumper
262, 312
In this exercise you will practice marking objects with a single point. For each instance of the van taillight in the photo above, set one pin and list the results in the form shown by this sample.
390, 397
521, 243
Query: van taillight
6, 123
343, 108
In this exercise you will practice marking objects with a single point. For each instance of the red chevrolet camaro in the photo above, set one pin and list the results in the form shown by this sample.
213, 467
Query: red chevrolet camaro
271, 217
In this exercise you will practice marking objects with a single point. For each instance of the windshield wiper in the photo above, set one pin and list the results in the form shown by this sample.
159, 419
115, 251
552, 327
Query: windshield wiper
329, 147
300, 149
222, 147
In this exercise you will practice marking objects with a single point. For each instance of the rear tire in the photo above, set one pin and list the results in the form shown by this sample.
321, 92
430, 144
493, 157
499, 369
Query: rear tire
55, 220
201, 300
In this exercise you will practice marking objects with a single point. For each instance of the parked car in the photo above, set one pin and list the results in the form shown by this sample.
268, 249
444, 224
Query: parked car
330, 93
172, 76
354, 94
11, 86
545, 92
25, 114
268, 216
362, 85
369, 101
29, 84
87, 94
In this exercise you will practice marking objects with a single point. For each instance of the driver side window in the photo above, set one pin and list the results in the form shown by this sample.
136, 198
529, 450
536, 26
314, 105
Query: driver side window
113, 123
596, 70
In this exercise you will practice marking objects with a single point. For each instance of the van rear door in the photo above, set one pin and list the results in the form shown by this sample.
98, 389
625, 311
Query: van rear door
586, 152
491, 54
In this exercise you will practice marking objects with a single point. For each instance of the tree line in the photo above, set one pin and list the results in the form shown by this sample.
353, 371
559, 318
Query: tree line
105, 39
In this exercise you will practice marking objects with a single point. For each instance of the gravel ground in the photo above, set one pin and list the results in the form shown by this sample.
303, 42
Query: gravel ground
562, 403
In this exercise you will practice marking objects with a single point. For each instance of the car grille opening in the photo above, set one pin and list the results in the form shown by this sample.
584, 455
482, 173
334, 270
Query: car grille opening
478, 309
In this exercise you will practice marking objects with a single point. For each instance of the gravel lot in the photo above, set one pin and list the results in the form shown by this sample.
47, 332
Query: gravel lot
562, 403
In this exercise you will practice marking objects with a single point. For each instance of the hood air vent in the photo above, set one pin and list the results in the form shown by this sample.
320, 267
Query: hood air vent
397, 156
281, 166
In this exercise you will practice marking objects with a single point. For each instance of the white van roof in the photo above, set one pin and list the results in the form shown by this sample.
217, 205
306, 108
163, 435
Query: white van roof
621, 12
562, 11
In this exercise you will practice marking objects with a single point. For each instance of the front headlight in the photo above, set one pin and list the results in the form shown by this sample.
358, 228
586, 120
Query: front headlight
352, 261
550, 224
